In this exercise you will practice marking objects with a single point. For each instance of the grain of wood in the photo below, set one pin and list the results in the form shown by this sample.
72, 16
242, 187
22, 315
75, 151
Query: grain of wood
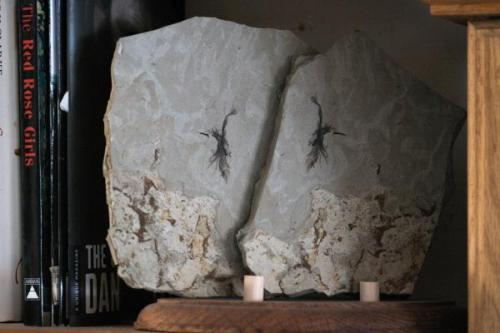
184, 315
484, 176
465, 10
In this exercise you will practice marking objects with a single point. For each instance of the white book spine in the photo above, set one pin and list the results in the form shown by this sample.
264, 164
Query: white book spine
10, 224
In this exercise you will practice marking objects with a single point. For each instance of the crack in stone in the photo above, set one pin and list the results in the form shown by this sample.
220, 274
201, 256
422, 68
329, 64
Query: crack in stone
379, 232
360, 259
199, 248
428, 212
160, 271
124, 193
148, 184
319, 232
143, 221
380, 198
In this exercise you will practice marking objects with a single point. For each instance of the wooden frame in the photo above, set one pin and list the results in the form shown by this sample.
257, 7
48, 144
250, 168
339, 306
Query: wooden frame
483, 176
483, 156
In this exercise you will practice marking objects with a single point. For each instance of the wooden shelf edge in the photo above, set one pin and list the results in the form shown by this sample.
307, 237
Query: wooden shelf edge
464, 10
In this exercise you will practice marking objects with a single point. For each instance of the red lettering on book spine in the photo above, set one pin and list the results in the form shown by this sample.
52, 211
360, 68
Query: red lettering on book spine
29, 139
28, 73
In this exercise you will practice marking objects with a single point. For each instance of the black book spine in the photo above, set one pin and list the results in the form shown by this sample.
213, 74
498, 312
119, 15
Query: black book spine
44, 154
93, 286
28, 120
57, 148
34, 167
94, 292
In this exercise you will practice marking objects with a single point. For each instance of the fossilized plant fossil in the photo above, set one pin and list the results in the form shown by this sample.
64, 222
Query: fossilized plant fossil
222, 152
318, 149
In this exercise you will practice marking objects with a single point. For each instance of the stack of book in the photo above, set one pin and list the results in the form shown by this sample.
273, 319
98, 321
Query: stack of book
55, 59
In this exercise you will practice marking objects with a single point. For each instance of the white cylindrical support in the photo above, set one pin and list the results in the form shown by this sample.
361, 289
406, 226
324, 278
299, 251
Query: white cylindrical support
369, 291
253, 288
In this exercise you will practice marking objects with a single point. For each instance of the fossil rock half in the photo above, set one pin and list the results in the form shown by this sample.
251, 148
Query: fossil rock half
187, 128
355, 184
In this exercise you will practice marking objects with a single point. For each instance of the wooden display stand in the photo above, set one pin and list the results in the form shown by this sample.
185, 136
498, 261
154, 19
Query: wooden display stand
203, 315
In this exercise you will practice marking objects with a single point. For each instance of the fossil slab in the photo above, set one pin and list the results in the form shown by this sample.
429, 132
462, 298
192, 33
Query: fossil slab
188, 128
355, 184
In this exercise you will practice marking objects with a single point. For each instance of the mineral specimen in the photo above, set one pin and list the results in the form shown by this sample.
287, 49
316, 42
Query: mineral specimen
187, 128
355, 184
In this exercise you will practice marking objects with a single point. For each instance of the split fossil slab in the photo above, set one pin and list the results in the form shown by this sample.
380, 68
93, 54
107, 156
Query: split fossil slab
233, 148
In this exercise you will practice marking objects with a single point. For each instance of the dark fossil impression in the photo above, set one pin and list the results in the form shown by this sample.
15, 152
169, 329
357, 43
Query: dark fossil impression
221, 153
318, 149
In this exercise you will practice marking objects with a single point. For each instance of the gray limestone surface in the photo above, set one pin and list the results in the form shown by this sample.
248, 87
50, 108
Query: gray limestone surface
354, 185
188, 127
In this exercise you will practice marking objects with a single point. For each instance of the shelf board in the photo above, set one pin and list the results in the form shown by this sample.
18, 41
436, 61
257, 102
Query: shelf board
464, 10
